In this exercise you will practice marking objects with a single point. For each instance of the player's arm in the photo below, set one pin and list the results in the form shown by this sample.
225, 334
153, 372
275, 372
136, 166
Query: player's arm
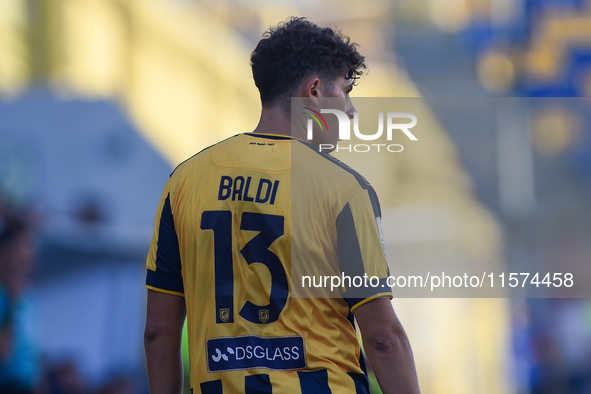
387, 347
360, 248
166, 309
162, 341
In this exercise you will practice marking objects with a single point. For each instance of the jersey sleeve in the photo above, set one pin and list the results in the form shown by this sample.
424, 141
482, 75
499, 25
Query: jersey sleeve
361, 251
164, 260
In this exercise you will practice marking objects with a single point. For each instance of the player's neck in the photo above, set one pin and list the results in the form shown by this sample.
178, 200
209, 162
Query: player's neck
273, 121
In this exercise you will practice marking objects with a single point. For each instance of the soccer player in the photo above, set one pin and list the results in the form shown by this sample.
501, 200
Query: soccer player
236, 218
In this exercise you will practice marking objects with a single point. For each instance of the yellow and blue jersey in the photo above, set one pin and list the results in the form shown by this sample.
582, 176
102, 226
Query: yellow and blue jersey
238, 227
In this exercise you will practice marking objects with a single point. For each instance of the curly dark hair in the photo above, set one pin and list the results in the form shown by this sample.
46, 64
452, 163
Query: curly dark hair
296, 49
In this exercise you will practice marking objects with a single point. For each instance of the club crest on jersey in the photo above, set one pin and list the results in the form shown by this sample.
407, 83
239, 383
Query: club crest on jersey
263, 315
224, 314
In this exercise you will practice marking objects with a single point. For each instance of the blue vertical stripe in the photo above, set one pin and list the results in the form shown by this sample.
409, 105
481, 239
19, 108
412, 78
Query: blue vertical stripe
351, 319
315, 382
361, 382
362, 362
212, 387
258, 384
221, 224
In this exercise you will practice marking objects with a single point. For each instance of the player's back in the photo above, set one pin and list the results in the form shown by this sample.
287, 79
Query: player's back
244, 211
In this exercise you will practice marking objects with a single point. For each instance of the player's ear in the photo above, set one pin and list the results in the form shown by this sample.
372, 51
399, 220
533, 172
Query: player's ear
310, 89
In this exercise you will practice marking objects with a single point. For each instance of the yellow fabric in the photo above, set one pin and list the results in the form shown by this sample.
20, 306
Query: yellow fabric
310, 194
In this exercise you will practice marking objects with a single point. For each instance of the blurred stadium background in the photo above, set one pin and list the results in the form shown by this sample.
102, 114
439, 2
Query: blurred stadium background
100, 99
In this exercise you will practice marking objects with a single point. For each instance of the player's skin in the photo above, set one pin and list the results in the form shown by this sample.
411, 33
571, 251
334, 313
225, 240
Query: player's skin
162, 341
385, 342
273, 120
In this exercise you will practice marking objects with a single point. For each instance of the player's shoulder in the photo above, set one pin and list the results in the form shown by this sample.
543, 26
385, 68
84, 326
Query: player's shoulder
201, 157
326, 174
331, 169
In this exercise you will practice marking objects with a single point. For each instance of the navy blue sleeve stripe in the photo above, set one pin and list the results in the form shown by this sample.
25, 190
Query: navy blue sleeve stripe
161, 280
355, 295
314, 382
257, 384
168, 258
352, 301
348, 249
350, 261
362, 182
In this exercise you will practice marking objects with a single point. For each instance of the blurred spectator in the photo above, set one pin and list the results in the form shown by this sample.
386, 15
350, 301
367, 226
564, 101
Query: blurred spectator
19, 361
65, 378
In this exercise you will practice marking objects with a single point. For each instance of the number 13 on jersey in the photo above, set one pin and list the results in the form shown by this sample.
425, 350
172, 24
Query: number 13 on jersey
270, 228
